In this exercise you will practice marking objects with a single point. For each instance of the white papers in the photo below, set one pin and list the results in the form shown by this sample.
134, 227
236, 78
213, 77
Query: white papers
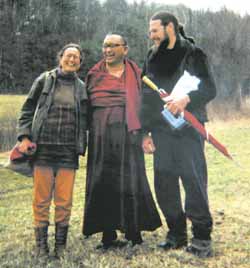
185, 84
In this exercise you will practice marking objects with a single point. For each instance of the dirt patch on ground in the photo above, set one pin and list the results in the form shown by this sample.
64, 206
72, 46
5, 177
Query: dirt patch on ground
4, 158
5, 154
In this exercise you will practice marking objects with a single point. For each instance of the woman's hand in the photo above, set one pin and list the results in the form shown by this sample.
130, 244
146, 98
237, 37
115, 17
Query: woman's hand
27, 146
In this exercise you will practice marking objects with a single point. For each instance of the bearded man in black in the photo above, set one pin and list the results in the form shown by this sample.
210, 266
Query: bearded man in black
178, 154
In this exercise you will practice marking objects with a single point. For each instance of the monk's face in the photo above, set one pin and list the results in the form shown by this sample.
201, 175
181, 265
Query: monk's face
70, 60
114, 50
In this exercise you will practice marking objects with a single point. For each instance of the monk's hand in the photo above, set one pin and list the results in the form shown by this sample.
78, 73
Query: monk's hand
176, 105
148, 145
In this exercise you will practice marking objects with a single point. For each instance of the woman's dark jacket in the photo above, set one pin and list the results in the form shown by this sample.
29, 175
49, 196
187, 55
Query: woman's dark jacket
35, 109
164, 67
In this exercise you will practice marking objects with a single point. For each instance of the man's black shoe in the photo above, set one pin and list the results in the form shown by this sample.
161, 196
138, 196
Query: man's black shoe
200, 248
112, 244
108, 239
136, 239
104, 246
173, 243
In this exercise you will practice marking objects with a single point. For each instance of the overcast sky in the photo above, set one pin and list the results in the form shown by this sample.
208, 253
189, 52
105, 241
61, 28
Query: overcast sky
238, 6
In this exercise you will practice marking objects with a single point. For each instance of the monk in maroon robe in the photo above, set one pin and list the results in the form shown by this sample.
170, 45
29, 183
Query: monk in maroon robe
118, 196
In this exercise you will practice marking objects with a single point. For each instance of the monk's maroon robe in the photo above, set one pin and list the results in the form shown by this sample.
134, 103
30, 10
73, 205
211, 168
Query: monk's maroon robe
118, 196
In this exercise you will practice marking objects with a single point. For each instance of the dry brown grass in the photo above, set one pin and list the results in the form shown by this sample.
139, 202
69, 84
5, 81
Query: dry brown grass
9, 109
229, 189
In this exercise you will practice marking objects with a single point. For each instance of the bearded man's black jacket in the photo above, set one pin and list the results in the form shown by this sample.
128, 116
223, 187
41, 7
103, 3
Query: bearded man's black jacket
164, 67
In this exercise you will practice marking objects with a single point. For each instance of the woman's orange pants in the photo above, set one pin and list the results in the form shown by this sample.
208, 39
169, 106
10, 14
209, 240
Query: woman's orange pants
49, 183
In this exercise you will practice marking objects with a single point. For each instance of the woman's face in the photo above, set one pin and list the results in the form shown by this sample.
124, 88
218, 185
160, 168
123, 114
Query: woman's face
70, 60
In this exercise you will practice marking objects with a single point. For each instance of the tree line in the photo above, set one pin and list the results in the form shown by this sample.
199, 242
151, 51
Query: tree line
32, 31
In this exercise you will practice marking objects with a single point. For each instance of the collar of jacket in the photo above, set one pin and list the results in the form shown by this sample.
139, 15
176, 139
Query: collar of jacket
51, 76
49, 80
164, 44
180, 42
53, 72
154, 50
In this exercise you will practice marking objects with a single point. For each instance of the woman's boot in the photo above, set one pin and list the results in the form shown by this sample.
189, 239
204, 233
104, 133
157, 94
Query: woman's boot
42, 249
60, 239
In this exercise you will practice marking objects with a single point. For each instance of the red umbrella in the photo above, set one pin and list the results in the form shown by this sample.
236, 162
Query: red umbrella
192, 121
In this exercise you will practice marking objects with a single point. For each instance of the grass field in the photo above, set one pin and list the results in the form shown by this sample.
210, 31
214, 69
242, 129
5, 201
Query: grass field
229, 189
9, 108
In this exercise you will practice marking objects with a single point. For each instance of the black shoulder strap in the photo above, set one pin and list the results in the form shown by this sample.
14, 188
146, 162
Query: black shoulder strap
47, 85
48, 81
